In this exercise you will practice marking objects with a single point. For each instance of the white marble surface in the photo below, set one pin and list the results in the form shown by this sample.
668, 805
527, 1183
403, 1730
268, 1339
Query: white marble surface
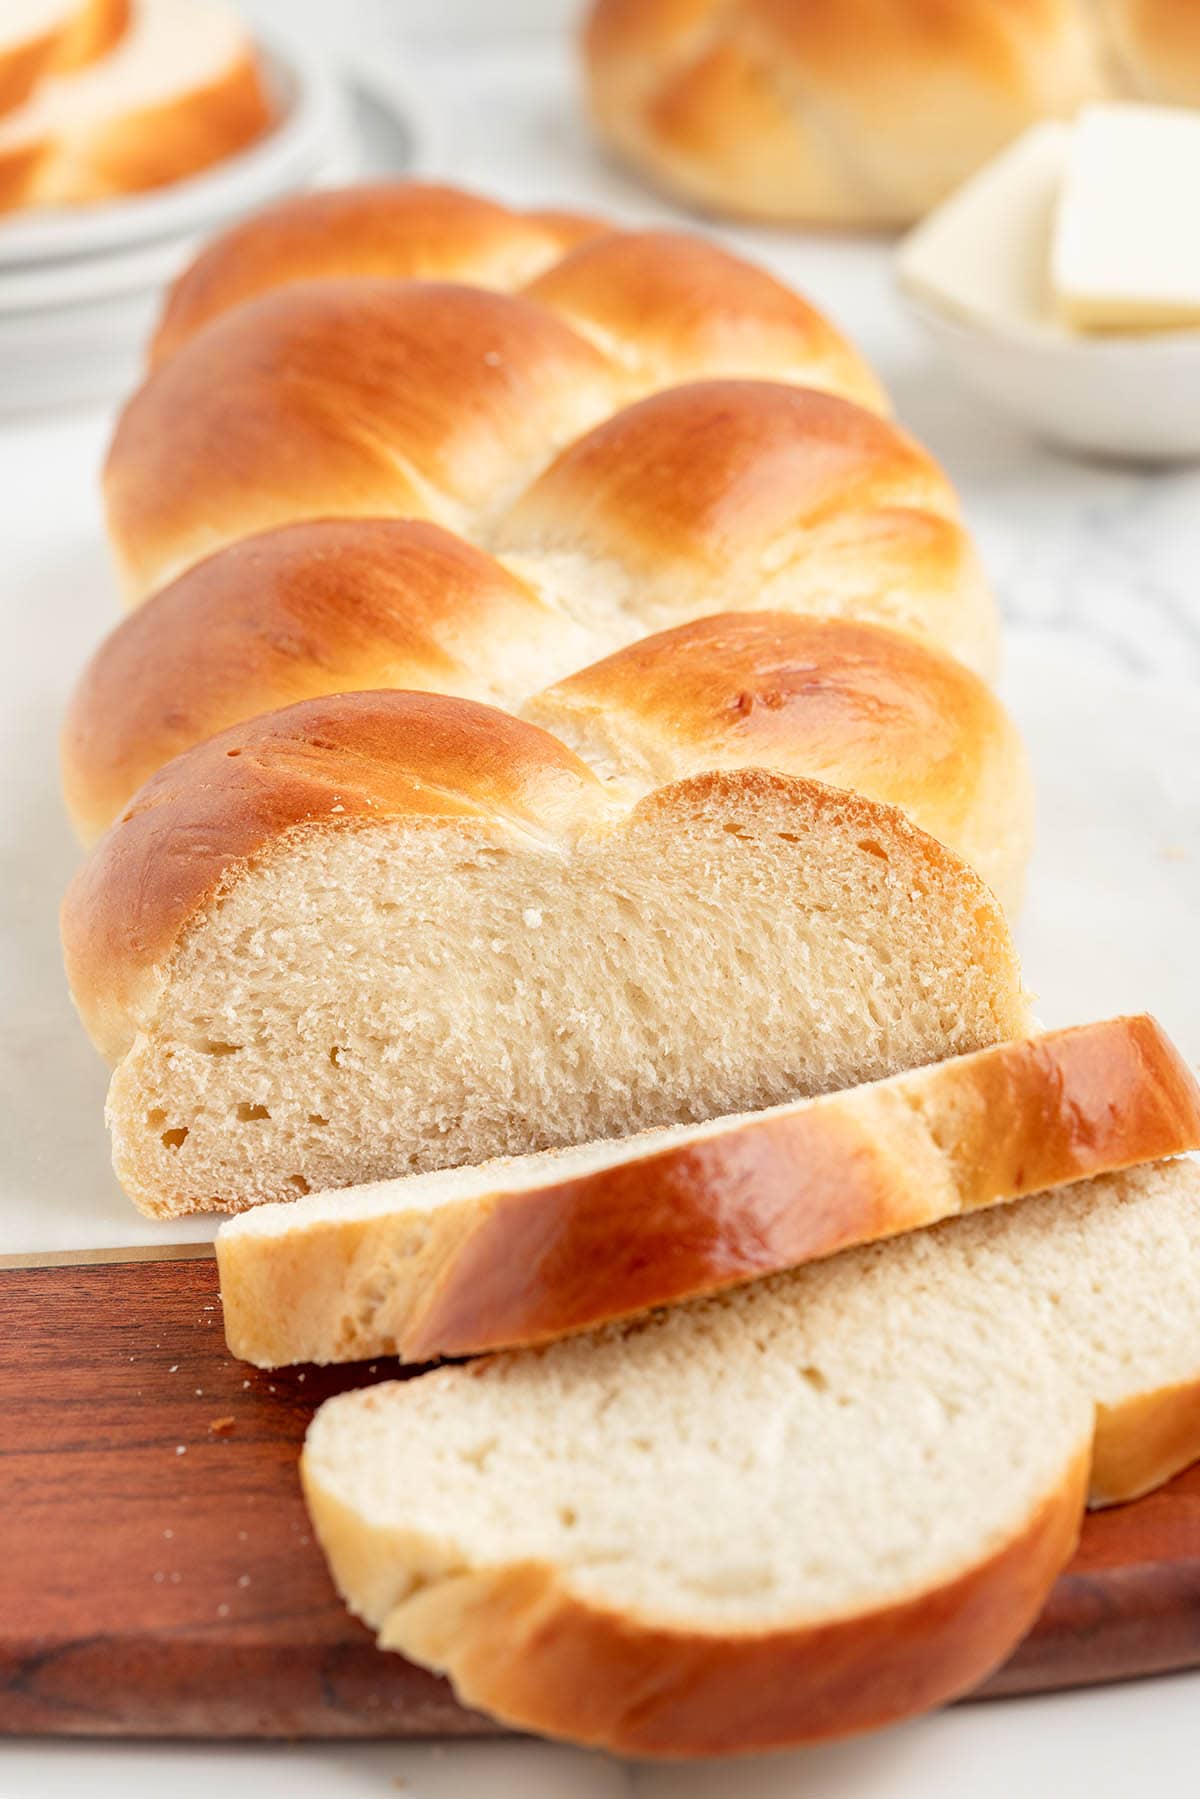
1096, 569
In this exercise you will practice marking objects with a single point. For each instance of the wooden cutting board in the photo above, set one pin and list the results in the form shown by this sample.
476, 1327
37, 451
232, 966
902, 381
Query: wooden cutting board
158, 1576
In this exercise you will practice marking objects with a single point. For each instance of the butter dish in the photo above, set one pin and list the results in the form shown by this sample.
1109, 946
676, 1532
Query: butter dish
976, 276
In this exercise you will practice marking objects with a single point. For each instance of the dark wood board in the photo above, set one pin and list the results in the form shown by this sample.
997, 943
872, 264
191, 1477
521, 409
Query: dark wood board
158, 1576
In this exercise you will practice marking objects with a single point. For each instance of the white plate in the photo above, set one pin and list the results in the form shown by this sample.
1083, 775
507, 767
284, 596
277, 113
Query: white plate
72, 332
306, 94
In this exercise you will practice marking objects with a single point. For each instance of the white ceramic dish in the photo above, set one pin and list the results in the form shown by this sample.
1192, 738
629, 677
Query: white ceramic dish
306, 95
73, 327
1131, 398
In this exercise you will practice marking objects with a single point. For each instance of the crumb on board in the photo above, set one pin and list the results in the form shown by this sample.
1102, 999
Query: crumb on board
223, 1426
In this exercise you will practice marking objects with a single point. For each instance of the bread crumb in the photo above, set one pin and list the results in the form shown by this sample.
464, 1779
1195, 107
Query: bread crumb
181, 1449
222, 1610
243, 1580
168, 1533
223, 1426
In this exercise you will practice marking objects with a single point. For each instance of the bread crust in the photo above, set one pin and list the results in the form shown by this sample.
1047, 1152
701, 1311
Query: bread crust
404, 231
666, 300
324, 764
86, 32
395, 391
285, 615
518, 1644
98, 26
1145, 1442
864, 114
516, 1268
354, 758
752, 495
351, 398
845, 701
335, 605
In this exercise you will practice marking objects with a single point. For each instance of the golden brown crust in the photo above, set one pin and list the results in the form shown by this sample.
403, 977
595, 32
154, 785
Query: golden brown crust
737, 494
286, 615
21, 67
1028, 1116
96, 28
402, 231
374, 416
861, 114
738, 458
1154, 48
337, 605
1140, 1445
669, 303
846, 702
323, 764
522, 1267
518, 1644
347, 398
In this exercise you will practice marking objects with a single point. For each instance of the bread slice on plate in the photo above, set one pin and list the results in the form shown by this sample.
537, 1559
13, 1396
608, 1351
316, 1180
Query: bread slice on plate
179, 90
804, 1509
385, 933
521, 1251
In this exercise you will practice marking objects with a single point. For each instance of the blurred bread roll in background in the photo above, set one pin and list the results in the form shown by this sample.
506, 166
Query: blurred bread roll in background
867, 112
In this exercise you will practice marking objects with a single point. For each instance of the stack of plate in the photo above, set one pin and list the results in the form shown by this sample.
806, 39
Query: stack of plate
80, 288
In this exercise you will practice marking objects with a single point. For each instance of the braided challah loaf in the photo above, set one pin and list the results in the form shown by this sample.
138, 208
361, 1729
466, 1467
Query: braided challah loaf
362, 396
381, 933
863, 112
387, 931
267, 622
134, 96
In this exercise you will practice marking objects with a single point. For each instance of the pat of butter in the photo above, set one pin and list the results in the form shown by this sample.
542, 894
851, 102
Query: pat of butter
1127, 244
984, 253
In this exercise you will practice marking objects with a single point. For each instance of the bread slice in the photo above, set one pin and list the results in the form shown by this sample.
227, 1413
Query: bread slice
804, 1509
522, 1251
385, 933
179, 89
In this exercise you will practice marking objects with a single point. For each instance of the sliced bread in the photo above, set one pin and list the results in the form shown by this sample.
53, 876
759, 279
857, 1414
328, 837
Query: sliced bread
808, 1508
178, 90
385, 933
521, 1251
